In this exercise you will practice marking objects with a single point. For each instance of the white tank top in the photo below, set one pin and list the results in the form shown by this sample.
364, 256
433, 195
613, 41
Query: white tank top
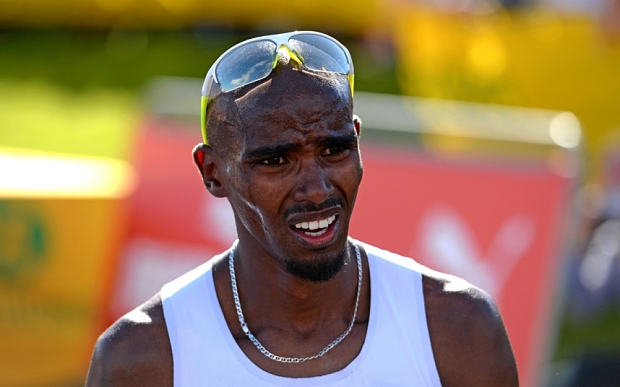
396, 352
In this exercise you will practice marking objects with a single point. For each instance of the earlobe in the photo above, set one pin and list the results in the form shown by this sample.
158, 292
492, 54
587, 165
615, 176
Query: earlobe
357, 123
208, 164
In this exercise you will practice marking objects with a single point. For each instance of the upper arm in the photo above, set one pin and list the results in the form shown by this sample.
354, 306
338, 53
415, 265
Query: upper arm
468, 336
135, 351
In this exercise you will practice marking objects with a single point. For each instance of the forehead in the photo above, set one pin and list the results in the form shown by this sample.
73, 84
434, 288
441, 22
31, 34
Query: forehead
295, 103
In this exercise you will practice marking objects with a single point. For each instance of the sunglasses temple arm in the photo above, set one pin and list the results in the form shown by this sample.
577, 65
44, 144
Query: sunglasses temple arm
351, 82
203, 118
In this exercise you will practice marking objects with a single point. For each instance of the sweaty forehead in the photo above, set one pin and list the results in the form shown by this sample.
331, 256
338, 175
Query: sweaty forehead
297, 95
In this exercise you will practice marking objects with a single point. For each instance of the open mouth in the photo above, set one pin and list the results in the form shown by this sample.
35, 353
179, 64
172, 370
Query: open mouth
315, 228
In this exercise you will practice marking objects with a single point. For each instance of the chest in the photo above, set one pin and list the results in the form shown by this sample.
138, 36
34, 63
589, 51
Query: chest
336, 358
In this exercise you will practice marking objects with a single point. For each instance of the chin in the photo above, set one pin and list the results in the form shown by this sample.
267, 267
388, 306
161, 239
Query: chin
319, 269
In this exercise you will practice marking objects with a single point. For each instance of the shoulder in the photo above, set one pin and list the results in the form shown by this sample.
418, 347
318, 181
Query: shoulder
135, 350
468, 337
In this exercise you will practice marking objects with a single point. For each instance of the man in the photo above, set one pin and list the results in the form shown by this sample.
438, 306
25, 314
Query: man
295, 301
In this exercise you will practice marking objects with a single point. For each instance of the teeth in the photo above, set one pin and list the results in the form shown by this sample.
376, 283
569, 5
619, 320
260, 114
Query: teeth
316, 233
314, 225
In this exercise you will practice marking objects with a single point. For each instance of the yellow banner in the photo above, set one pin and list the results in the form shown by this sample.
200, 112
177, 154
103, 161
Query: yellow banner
534, 59
346, 16
56, 259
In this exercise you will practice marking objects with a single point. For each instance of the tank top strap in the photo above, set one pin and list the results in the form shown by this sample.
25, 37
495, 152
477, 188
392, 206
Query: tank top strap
402, 333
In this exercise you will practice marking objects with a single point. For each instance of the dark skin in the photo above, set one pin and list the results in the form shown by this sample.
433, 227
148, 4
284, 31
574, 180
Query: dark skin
302, 150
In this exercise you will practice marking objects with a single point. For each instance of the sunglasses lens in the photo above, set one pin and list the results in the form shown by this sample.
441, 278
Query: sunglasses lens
247, 63
320, 53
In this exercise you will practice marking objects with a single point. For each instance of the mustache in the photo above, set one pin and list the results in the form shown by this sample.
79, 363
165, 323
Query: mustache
301, 208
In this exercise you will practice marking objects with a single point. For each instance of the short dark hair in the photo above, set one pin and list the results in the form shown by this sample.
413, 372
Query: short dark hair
224, 119
223, 124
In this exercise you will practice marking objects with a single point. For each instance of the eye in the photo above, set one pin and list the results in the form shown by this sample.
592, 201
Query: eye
334, 150
276, 160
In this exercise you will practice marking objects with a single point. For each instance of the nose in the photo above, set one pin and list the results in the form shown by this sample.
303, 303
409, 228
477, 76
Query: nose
313, 183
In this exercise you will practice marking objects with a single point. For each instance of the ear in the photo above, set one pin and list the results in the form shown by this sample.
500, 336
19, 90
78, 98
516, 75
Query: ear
358, 124
210, 167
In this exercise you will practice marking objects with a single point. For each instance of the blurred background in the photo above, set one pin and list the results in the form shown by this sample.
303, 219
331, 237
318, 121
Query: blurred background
491, 147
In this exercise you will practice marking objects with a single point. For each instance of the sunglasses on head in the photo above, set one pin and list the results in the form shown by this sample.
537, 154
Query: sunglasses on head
254, 59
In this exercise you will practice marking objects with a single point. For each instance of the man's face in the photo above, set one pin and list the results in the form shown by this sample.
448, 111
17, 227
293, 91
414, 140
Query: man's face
294, 177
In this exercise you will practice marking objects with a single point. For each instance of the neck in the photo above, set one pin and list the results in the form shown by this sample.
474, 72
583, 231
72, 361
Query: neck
293, 303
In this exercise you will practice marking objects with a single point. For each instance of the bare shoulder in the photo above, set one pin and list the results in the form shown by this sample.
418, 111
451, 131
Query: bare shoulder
467, 333
135, 351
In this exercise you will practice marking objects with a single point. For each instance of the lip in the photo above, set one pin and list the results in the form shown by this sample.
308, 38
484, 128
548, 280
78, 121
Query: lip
312, 216
316, 240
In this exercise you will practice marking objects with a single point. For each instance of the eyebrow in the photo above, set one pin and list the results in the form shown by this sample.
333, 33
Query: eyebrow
343, 140
279, 149
271, 150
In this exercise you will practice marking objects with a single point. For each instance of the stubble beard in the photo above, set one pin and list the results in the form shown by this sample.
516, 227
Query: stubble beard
323, 267
320, 269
